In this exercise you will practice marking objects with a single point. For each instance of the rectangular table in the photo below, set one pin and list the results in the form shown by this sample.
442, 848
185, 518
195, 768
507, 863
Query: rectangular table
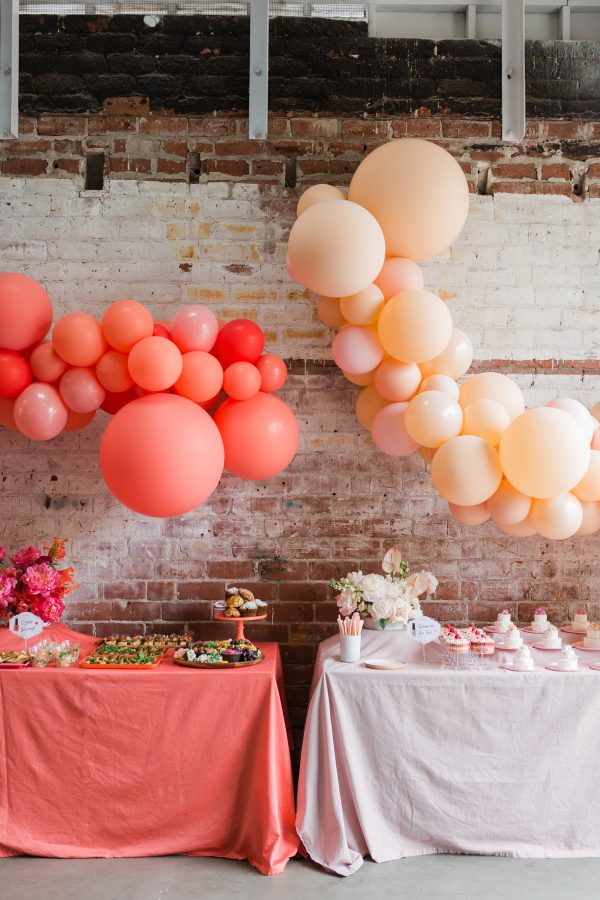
428, 760
120, 763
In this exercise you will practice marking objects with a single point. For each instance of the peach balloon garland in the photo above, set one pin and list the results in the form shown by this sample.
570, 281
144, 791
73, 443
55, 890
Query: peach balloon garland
163, 453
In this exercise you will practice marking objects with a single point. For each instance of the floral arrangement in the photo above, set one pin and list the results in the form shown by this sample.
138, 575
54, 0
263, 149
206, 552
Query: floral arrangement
31, 582
389, 599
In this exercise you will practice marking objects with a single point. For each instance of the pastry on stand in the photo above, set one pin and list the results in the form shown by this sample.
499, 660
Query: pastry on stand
240, 605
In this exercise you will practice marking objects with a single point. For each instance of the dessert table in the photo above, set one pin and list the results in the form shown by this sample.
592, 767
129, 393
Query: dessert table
430, 760
124, 763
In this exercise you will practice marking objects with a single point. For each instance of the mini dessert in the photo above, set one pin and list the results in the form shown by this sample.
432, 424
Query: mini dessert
512, 639
481, 643
580, 621
231, 612
455, 641
503, 622
522, 661
551, 639
540, 621
220, 652
592, 637
568, 659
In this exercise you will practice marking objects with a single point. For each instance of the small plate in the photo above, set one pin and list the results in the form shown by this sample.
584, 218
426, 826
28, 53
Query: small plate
539, 646
507, 649
570, 629
530, 630
554, 668
595, 666
491, 629
520, 671
385, 664
578, 645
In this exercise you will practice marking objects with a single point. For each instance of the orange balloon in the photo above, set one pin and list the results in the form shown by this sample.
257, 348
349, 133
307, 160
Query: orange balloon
414, 326
113, 373
241, 380
363, 308
78, 339
368, 404
328, 310
521, 529
7, 418
397, 275
397, 381
466, 470
417, 192
155, 364
470, 515
126, 322
589, 487
270, 436
201, 377
427, 453
508, 506
360, 380
432, 418
25, 311
454, 360
77, 420
318, 193
46, 364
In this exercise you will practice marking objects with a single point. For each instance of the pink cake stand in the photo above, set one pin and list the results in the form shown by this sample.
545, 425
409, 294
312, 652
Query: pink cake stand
240, 636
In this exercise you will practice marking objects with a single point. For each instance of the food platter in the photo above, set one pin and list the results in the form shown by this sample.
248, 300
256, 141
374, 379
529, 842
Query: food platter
218, 665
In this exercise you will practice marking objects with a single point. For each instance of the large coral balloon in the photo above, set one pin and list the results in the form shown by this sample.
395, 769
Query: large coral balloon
260, 435
161, 455
418, 194
25, 311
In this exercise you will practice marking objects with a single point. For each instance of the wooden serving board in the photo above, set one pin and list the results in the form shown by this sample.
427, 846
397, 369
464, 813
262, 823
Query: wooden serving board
218, 665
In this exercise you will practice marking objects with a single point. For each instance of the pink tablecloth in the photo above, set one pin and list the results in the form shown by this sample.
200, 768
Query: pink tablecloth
427, 760
132, 763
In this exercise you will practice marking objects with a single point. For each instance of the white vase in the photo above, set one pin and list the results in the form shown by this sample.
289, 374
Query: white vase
371, 624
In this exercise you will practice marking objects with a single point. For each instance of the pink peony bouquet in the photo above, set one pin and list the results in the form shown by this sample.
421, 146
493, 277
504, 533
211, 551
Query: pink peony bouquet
392, 598
31, 581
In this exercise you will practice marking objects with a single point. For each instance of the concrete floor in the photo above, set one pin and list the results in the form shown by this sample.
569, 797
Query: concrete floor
421, 878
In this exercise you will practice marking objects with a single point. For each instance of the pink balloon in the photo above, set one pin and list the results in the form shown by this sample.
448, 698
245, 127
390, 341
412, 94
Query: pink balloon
39, 412
574, 408
399, 274
194, 328
389, 431
81, 391
357, 350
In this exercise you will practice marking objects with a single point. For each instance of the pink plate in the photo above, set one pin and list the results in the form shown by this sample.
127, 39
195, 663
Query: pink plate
491, 629
578, 645
521, 671
539, 646
530, 630
554, 668
595, 666
507, 649
568, 629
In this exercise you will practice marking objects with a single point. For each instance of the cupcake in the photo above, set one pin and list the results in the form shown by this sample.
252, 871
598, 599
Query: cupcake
231, 655
481, 643
455, 641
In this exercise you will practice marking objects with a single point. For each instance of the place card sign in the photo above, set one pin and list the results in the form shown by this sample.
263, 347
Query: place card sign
26, 625
424, 629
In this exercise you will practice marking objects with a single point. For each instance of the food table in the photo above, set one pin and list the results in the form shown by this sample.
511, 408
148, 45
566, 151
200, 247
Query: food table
132, 763
429, 760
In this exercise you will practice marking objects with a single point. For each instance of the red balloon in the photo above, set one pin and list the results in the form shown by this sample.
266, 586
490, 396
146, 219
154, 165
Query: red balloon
7, 417
161, 331
161, 455
260, 435
25, 311
273, 373
239, 341
15, 373
114, 402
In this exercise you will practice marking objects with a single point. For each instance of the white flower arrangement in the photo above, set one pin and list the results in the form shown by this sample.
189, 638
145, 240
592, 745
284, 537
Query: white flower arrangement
389, 599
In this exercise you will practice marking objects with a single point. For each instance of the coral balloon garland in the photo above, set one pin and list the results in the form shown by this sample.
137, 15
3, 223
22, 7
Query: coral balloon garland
188, 397
531, 471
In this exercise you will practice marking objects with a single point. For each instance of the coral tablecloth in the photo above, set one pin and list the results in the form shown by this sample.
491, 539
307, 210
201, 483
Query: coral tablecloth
133, 763
427, 760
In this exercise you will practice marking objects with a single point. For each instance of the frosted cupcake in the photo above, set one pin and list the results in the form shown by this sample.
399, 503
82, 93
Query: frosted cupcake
503, 622
522, 661
512, 639
568, 660
540, 621
481, 643
455, 641
551, 639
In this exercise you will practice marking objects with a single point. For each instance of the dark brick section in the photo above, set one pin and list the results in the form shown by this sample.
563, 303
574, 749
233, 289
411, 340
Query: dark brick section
196, 65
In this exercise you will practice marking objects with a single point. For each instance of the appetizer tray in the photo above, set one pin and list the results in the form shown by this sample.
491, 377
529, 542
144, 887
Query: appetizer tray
121, 659
218, 665
14, 659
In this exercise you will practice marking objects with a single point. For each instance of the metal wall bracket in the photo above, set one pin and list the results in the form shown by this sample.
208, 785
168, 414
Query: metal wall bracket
513, 70
9, 69
258, 107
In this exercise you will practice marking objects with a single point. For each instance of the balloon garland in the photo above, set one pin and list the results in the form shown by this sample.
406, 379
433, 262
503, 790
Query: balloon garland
188, 397
529, 471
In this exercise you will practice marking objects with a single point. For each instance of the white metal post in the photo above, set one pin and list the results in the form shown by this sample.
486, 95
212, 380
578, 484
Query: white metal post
259, 70
513, 70
9, 69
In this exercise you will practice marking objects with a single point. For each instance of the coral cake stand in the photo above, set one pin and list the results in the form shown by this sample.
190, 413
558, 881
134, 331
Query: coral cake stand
240, 636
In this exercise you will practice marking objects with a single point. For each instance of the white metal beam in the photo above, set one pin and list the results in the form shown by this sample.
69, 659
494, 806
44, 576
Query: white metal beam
9, 69
259, 70
513, 70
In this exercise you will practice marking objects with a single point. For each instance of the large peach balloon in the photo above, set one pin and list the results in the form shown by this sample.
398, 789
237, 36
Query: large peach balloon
466, 470
493, 386
487, 419
432, 418
40, 412
544, 453
46, 364
368, 404
155, 363
336, 248
470, 515
389, 431
329, 312
113, 373
356, 350
78, 339
589, 486
557, 518
397, 275
161, 455
397, 381
414, 326
521, 529
25, 311
440, 383
591, 518
126, 322
363, 308
318, 193
81, 391
454, 360
417, 192
508, 506
201, 377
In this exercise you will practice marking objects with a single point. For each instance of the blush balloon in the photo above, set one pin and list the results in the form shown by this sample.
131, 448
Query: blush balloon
389, 431
81, 391
15, 374
194, 328
357, 350
40, 412
240, 341
126, 322
273, 373
201, 378
155, 364
113, 373
25, 311
78, 339
399, 274
46, 364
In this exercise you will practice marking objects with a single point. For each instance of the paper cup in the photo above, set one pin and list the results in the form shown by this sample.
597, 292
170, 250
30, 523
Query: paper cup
350, 647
